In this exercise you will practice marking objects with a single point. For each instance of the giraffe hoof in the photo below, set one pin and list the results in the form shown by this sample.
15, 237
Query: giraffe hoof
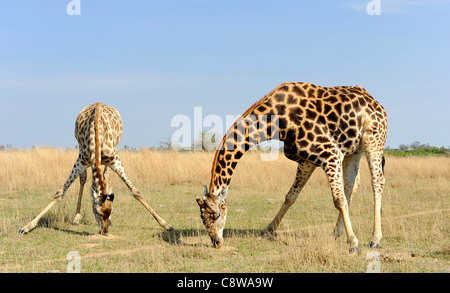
354, 250
267, 232
374, 245
76, 220
27, 229
24, 231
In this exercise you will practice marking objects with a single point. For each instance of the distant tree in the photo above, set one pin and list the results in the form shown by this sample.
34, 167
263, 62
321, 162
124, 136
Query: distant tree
128, 148
415, 145
206, 141
167, 144
403, 147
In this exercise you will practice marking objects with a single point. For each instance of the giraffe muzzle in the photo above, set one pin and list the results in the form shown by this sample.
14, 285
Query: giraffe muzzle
217, 242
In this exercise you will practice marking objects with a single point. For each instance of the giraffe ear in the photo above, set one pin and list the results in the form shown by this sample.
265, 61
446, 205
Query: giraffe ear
223, 194
110, 190
94, 194
200, 202
205, 191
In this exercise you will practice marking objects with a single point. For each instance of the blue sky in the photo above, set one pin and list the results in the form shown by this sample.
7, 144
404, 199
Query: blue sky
156, 59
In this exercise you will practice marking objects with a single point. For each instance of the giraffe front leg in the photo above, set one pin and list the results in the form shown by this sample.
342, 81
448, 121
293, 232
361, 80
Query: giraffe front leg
31, 225
117, 167
77, 169
304, 171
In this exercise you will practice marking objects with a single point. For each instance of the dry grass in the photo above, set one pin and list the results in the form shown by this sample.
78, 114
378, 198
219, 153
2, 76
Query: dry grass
415, 217
46, 167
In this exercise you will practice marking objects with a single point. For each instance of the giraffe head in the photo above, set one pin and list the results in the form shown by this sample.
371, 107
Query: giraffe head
213, 209
102, 207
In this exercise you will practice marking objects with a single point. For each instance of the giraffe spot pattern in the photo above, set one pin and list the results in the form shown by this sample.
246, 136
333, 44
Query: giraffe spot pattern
315, 123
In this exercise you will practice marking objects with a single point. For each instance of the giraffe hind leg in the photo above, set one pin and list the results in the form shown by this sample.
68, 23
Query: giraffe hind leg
334, 171
375, 161
107, 179
352, 180
78, 217
108, 187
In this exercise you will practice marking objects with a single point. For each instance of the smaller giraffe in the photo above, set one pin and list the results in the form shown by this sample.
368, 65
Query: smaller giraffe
98, 130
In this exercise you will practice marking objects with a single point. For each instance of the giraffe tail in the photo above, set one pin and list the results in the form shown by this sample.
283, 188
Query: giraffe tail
95, 145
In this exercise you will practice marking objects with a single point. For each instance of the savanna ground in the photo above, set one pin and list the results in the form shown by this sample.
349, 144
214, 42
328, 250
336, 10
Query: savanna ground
415, 217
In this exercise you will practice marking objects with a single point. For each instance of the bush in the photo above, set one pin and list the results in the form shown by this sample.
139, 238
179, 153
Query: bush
419, 152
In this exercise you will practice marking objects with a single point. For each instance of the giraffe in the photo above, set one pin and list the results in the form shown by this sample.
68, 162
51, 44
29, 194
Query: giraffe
98, 130
327, 127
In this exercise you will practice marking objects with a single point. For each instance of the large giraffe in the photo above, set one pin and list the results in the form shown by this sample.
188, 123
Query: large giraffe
327, 127
98, 130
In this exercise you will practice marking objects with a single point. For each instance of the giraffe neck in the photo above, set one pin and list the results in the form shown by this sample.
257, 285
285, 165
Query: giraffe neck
252, 128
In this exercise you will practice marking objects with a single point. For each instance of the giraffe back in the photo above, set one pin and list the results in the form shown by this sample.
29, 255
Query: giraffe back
315, 120
315, 123
109, 131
